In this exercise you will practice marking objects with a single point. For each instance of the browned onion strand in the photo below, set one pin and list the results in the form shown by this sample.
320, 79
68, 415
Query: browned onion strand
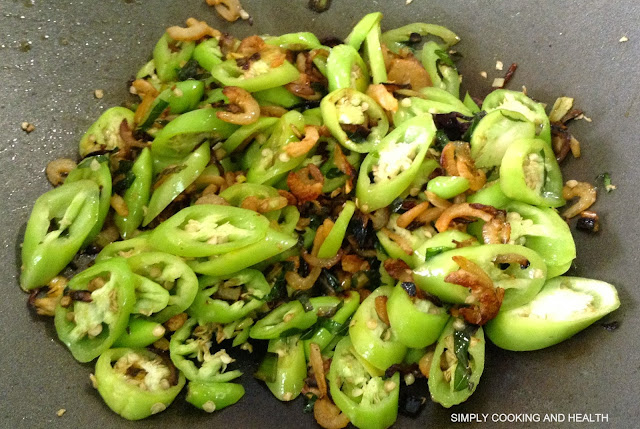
464, 210
586, 194
58, 170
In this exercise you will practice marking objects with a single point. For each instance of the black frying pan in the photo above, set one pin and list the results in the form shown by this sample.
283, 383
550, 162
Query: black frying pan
53, 56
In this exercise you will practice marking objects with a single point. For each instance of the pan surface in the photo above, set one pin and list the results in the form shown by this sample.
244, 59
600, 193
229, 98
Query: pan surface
53, 55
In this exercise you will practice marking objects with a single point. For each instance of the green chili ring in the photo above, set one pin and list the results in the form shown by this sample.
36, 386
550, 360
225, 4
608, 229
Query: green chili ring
331, 115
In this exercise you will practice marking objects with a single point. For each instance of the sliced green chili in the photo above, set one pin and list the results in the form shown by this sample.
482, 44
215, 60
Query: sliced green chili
352, 108
178, 178
173, 274
100, 300
564, 307
395, 164
60, 222
150, 391
227, 299
136, 196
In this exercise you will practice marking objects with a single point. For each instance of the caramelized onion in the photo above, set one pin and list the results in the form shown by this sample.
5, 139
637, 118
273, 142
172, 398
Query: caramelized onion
212, 199
425, 363
229, 10
408, 71
46, 306
342, 163
251, 45
119, 205
58, 170
297, 282
405, 219
302, 87
381, 309
383, 97
195, 30
272, 111
511, 258
321, 234
314, 261
436, 201
399, 240
379, 218
457, 161
586, 194
148, 94
448, 159
354, 263
398, 269
430, 215
328, 415
317, 364
264, 205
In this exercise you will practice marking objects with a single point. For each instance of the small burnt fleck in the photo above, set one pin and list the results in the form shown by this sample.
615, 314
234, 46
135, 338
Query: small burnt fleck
415, 38
412, 406
611, 326
588, 224
410, 288
331, 41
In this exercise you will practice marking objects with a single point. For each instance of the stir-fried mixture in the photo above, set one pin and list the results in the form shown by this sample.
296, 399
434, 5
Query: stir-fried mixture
336, 201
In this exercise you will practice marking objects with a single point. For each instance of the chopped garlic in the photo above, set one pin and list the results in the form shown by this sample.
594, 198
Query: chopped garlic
623, 39
409, 379
561, 107
483, 74
498, 82
499, 65
27, 127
